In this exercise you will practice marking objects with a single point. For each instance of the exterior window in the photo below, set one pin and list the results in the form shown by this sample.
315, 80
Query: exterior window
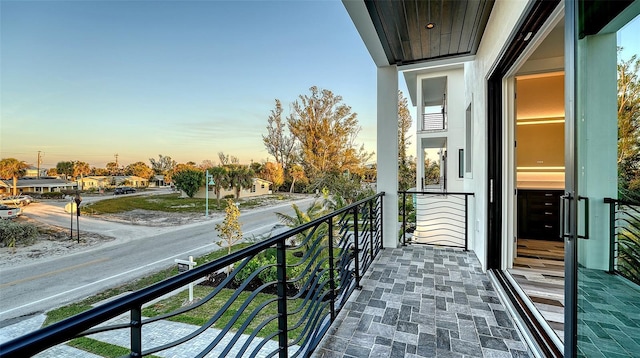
469, 136
261, 186
253, 188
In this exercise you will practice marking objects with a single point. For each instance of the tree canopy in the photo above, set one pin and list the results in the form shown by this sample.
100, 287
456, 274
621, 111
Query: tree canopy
629, 127
189, 181
319, 135
12, 168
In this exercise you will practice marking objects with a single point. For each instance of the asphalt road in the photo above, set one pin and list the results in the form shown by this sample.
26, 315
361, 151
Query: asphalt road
138, 251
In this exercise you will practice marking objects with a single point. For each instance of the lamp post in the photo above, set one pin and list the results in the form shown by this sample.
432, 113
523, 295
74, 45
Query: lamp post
71, 212
78, 200
208, 179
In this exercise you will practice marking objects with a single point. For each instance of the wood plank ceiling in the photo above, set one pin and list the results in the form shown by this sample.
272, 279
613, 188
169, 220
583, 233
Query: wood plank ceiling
401, 27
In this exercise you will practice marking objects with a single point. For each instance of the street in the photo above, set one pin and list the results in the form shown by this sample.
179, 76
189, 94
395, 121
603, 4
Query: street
137, 251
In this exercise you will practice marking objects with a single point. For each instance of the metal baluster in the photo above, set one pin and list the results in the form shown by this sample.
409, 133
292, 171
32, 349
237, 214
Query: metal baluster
332, 279
281, 270
356, 249
136, 332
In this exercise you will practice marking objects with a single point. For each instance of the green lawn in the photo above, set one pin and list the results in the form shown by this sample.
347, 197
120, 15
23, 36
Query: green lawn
67, 311
172, 203
202, 314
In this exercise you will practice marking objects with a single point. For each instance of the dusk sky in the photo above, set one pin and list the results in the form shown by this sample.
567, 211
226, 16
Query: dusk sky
84, 80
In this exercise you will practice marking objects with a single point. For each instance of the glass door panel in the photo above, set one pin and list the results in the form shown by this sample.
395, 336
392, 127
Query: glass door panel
608, 301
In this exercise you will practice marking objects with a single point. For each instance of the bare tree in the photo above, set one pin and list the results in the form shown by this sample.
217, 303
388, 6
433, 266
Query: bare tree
278, 143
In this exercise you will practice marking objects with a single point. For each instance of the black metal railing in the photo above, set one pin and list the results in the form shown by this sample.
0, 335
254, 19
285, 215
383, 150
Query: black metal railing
435, 218
282, 308
624, 238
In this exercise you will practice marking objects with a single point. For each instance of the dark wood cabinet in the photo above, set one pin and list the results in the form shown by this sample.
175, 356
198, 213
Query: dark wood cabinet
539, 214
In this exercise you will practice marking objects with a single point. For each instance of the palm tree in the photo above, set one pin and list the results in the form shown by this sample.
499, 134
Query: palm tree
240, 176
314, 211
220, 177
12, 168
81, 169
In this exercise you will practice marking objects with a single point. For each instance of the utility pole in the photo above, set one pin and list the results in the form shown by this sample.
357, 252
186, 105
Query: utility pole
39, 162
117, 165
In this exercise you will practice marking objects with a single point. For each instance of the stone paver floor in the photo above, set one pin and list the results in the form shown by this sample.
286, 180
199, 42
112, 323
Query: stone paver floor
422, 301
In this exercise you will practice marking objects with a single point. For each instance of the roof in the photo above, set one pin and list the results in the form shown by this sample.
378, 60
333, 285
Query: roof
32, 182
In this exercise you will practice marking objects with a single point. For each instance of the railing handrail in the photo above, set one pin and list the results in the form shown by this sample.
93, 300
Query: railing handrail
621, 202
71, 327
435, 192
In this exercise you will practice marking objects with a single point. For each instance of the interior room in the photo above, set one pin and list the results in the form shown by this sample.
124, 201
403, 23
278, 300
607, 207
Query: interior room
538, 265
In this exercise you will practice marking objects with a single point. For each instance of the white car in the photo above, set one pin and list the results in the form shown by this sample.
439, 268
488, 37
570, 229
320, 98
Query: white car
20, 200
9, 213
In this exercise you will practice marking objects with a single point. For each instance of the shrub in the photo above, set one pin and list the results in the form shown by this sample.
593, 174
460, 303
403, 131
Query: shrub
229, 196
266, 275
52, 195
14, 233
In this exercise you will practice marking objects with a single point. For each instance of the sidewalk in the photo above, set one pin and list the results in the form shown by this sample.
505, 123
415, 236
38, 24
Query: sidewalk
154, 334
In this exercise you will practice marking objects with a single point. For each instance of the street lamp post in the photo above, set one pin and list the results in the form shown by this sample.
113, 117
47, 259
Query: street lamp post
78, 200
208, 179
71, 212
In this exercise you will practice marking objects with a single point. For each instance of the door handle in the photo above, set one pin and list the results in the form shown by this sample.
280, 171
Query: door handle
564, 203
586, 217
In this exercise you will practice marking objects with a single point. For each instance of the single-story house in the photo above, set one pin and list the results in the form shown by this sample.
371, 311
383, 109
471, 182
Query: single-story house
42, 185
97, 182
259, 187
157, 181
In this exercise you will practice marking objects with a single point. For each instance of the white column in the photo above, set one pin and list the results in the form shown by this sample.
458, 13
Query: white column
387, 151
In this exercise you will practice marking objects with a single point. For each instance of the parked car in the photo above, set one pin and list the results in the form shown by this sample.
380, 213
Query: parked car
9, 212
19, 200
124, 190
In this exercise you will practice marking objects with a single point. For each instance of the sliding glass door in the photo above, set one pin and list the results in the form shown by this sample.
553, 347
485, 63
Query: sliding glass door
603, 302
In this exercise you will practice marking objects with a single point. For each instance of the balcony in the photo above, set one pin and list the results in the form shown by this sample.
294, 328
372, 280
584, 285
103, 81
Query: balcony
325, 288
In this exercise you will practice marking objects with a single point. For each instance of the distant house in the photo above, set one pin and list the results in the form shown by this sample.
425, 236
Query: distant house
130, 180
42, 185
94, 182
157, 181
259, 187
32, 172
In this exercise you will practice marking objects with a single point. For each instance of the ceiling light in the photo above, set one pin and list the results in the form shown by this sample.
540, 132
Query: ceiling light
430, 26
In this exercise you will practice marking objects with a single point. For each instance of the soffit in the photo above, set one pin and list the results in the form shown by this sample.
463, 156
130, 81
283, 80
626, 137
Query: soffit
401, 28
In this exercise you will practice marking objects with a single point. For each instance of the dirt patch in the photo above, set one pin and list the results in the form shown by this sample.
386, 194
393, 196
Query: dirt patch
53, 241
154, 218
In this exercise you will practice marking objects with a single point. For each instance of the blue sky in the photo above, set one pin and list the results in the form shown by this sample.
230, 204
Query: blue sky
86, 80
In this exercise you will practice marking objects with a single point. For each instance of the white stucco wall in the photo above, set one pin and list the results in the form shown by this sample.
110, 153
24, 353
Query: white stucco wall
503, 19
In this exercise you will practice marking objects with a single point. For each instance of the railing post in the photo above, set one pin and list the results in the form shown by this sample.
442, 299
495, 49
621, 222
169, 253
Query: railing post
612, 234
356, 249
371, 229
466, 222
136, 332
332, 279
281, 271
404, 219
381, 223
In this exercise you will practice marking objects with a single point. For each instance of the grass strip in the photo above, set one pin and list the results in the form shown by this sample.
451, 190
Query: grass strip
199, 316
100, 348
67, 311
